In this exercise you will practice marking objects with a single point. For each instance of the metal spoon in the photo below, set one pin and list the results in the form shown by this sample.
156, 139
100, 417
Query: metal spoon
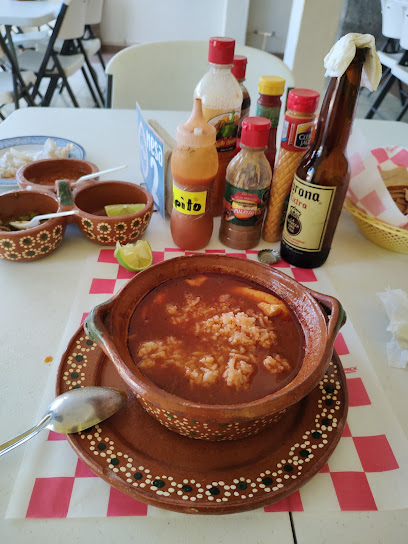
100, 173
35, 221
74, 411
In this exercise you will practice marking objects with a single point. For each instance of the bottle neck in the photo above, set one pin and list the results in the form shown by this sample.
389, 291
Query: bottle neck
338, 108
220, 67
245, 149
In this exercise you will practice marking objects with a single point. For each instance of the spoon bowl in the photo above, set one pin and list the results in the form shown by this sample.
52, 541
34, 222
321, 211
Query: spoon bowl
74, 411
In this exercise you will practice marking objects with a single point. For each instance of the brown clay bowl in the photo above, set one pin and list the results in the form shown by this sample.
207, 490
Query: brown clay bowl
319, 316
96, 226
42, 175
30, 244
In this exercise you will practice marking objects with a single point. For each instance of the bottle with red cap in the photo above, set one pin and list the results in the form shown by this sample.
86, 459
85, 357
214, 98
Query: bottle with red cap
248, 180
296, 138
221, 97
239, 71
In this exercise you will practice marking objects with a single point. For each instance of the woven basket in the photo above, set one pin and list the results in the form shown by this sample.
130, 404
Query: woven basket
378, 232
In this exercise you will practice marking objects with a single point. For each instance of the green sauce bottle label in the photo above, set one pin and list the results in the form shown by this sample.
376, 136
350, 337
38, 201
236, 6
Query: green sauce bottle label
244, 207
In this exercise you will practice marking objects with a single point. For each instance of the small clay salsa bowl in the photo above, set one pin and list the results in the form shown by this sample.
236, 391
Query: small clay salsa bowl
90, 202
318, 316
42, 175
35, 243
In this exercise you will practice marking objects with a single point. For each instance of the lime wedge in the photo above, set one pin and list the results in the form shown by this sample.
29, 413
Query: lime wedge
113, 210
134, 257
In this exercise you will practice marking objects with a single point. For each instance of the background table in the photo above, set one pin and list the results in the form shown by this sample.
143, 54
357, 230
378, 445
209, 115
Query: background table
36, 298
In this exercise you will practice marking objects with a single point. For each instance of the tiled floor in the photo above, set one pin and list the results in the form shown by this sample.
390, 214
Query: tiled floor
389, 108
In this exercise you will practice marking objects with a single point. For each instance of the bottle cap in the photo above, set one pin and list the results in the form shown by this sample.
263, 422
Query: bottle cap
255, 131
271, 85
196, 132
304, 100
239, 67
221, 50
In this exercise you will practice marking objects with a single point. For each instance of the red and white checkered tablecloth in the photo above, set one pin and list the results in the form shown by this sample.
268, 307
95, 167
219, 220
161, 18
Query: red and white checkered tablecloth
367, 471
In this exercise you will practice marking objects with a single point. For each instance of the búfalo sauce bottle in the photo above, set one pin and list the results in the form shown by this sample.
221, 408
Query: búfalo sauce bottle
248, 180
323, 175
194, 165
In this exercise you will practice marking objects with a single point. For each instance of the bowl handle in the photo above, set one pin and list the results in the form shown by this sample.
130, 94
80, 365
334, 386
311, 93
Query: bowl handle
94, 323
64, 194
335, 312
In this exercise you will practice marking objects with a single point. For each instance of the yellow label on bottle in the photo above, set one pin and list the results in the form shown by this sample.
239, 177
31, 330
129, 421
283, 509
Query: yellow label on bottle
189, 202
307, 215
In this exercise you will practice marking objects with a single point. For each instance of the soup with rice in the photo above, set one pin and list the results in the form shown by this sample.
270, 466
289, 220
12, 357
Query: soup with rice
215, 339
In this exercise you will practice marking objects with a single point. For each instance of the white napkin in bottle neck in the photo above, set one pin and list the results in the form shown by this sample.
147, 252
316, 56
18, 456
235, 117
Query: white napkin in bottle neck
342, 53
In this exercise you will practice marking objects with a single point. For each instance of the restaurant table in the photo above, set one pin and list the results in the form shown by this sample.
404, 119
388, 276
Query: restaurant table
36, 299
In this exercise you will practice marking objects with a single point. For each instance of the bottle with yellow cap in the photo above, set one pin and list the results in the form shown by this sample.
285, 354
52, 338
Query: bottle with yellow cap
269, 104
194, 166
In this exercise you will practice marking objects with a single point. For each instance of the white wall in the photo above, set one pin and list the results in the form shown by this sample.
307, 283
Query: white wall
126, 22
312, 33
269, 16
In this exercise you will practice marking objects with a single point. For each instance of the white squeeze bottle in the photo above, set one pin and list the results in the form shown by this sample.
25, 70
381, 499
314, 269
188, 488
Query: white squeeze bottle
221, 97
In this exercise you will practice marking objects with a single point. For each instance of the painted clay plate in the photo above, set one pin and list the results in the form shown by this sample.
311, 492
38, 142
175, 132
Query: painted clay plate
33, 144
137, 455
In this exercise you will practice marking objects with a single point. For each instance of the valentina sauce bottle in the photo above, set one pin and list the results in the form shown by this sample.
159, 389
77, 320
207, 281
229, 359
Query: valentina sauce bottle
194, 165
221, 95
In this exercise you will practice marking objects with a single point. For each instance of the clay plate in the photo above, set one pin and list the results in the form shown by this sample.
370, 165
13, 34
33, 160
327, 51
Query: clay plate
137, 455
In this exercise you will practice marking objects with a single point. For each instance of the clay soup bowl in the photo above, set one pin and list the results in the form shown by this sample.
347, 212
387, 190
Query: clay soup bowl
42, 175
320, 317
90, 201
34, 243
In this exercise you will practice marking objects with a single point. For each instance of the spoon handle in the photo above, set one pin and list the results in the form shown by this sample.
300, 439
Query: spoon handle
20, 439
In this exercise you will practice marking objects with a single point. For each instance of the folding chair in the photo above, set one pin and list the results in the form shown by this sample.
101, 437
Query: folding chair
89, 45
55, 65
14, 84
392, 13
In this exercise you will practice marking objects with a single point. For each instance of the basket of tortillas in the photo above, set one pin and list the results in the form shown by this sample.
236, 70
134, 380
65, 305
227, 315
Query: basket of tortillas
377, 196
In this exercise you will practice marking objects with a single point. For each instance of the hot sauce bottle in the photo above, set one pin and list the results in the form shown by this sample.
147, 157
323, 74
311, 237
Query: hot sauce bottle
194, 165
247, 187
322, 177
269, 105
239, 70
221, 95
296, 138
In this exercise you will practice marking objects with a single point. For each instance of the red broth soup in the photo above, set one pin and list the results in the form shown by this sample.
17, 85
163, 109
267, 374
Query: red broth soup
215, 339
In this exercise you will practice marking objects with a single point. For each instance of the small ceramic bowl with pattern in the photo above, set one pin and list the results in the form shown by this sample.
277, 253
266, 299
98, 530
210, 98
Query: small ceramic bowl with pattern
34, 243
42, 175
90, 202
148, 322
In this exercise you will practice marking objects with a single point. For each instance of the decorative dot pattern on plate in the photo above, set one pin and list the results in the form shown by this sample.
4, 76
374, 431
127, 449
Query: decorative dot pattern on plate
278, 474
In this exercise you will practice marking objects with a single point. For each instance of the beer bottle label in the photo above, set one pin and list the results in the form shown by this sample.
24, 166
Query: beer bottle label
189, 202
244, 207
307, 215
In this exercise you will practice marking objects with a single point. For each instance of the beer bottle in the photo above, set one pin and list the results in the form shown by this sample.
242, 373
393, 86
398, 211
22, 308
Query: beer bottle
322, 177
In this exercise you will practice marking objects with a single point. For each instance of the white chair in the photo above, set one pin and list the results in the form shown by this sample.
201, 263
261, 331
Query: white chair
14, 84
392, 13
89, 44
163, 75
59, 65
93, 16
